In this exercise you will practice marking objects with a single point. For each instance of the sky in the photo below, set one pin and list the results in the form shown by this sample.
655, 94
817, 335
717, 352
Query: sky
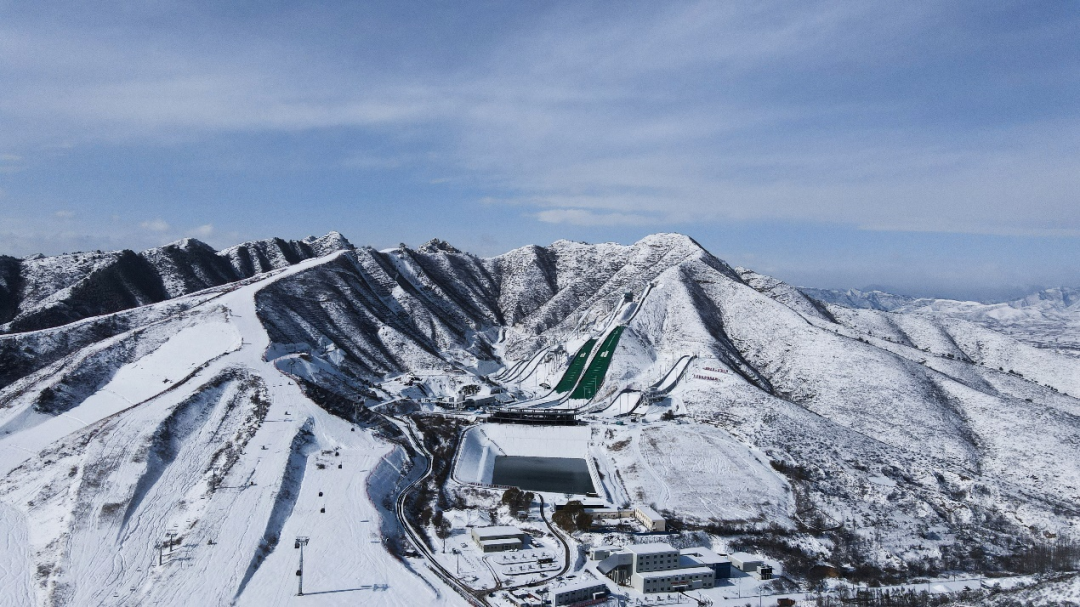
929, 148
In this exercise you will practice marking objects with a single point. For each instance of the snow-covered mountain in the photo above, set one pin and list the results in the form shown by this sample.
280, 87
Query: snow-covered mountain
1049, 318
40, 292
236, 416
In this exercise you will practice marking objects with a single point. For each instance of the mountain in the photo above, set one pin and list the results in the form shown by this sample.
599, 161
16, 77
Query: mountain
854, 298
42, 292
243, 403
1049, 318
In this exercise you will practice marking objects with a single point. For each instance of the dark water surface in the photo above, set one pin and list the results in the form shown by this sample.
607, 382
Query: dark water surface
554, 474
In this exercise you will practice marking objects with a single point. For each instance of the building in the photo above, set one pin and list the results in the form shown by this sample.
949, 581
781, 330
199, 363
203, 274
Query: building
750, 564
653, 557
703, 557
498, 539
650, 518
617, 566
579, 593
747, 563
659, 568
599, 553
673, 580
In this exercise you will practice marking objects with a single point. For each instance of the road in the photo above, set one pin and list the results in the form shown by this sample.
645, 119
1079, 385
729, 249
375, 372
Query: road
474, 597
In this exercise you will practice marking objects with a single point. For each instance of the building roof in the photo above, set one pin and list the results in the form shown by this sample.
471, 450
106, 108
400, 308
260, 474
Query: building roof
649, 513
650, 548
502, 541
578, 585
648, 575
615, 560
498, 531
704, 555
744, 557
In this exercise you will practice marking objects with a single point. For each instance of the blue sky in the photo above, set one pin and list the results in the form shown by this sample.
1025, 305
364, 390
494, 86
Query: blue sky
931, 148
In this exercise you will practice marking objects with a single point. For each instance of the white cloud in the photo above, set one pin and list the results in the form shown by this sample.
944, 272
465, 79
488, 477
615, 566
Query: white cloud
582, 217
155, 225
64, 214
203, 231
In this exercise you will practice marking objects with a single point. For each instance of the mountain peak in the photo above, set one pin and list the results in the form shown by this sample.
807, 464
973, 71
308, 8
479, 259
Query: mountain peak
436, 245
188, 244
671, 239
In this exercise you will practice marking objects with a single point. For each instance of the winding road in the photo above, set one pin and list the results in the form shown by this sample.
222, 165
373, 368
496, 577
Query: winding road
472, 595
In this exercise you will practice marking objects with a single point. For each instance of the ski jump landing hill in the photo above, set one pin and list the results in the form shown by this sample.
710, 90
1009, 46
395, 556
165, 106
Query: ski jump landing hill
587, 370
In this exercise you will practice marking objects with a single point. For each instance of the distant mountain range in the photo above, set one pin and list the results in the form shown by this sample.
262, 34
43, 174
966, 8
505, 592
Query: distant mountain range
1049, 318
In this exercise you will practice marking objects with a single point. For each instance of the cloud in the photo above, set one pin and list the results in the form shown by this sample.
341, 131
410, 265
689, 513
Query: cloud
582, 217
155, 225
203, 231
916, 117
64, 214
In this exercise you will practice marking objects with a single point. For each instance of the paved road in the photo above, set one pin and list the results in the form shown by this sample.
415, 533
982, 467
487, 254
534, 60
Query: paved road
474, 597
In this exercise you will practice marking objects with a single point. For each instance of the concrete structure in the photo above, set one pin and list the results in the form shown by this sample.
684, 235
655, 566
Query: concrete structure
618, 567
661, 568
703, 557
747, 563
599, 553
650, 518
673, 580
583, 591
498, 539
653, 557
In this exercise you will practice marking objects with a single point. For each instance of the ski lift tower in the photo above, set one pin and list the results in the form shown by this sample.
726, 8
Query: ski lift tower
301, 541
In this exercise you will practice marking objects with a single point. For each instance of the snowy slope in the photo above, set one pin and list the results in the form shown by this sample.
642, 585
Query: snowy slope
205, 438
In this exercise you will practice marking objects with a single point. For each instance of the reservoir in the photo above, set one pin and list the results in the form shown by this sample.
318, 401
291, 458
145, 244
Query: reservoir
552, 474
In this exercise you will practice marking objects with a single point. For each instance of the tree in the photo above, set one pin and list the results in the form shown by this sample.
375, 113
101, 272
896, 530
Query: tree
518, 501
573, 517
443, 529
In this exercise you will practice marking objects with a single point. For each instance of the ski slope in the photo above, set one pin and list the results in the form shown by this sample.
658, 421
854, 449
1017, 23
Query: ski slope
235, 509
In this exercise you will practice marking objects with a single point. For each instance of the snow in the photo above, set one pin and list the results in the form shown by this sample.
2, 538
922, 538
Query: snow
134, 383
271, 490
15, 563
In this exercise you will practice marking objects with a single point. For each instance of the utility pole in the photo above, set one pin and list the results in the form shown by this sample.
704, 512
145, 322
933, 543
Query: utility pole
301, 541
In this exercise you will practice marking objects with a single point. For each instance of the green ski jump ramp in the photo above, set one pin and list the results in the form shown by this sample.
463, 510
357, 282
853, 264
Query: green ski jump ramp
569, 379
594, 376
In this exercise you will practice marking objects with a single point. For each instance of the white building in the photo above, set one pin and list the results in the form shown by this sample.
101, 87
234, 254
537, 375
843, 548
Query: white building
650, 518
498, 539
703, 557
657, 568
653, 557
753, 565
673, 580
576, 592
747, 563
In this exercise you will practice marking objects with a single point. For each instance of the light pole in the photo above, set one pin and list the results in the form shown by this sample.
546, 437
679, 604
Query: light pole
301, 541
